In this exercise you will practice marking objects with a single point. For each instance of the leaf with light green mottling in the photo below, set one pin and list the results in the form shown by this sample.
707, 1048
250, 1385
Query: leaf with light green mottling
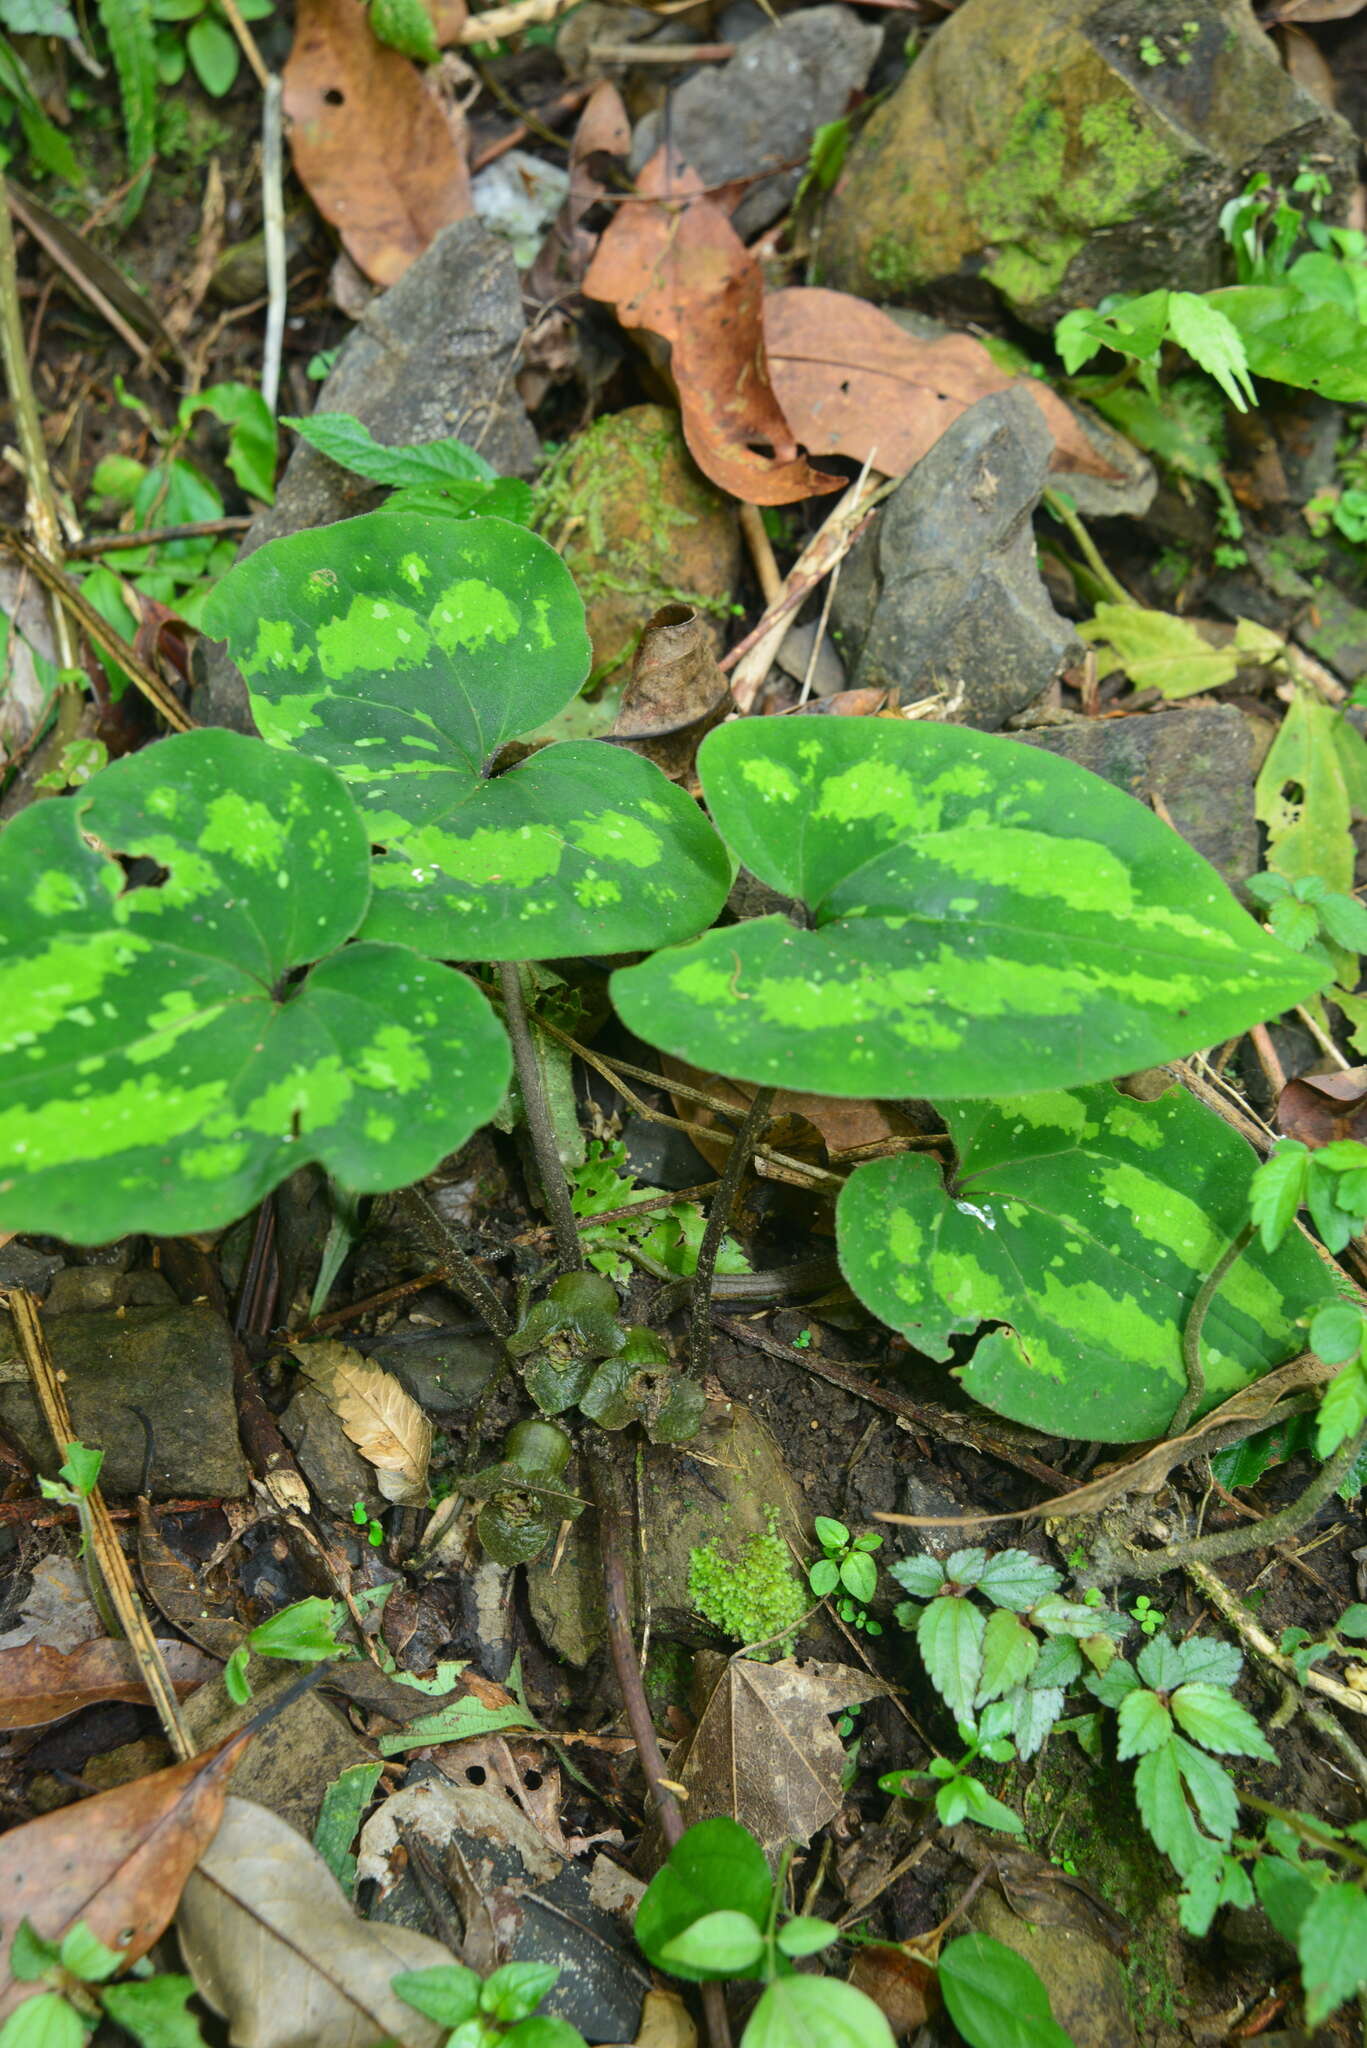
160, 1067
403, 650
1085, 1222
979, 923
583, 848
1302, 796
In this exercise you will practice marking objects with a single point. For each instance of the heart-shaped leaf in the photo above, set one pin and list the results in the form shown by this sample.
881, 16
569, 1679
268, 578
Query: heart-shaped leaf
1087, 1222
158, 1072
404, 650
979, 922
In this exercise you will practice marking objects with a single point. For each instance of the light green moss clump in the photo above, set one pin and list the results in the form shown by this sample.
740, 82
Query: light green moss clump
752, 1596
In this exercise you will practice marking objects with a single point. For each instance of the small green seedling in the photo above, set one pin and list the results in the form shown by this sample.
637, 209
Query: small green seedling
498, 2011
1307, 910
76, 1971
846, 1568
959, 1795
1332, 1183
197, 31
304, 1633
714, 1911
1148, 1616
362, 1517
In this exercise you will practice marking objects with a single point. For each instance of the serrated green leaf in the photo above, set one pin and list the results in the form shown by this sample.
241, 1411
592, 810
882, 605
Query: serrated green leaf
1010, 1653
1163, 1808
994, 1997
962, 906
1295, 924
1144, 1724
1332, 1945
46, 2021
152, 1080
1211, 339
451, 468
1157, 650
1208, 1660
949, 1636
921, 1576
1345, 920
1292, 338
1086, 1222
156, 2013
1034, 1710
1015, 1579
407, 27
1277, 1189
1211, 1788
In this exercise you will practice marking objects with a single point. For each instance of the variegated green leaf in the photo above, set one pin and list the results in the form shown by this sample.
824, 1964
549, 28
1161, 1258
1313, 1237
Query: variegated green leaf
978, 922
1086, 1222
403, 651
583, 848
159, 1069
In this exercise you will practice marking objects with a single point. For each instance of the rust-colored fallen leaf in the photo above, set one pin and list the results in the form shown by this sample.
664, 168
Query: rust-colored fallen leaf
38, 1685
676, 691
902, 1986
371, 147
852, 382
1319, 1108
385, 1424
845, 1126
117, 1861
678, 269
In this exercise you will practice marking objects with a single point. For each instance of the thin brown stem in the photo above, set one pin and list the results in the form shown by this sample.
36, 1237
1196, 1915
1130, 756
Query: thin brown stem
612, 1547
1258, 1535
554, 1186
718, 1216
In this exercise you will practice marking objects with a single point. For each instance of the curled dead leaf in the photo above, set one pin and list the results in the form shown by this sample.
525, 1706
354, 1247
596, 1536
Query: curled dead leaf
675, 692
1319, 1108
385, 1424
38, 1684
672, 263
371, 147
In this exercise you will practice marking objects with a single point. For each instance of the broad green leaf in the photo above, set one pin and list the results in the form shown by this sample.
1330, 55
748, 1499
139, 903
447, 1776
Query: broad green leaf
1144, 1724
829, 1533
1158, 650
1010, 1652
950, 1636
1015, 1579
977, 922
720, 1944
156, 2013
517, 1989
161, 1071
304, 1632
1086, 1222
460, 473
1163, 1808
1302, 797
447, 1993
994, 1997
1285, 1892
1332, 1945
46, 2021
716, 1859
816, 2012
1336, 1332
252, 437
989, 1812
212, 49
1277, 1189
403, 651
859, 1575
824, 1577
583, 848
1294, 340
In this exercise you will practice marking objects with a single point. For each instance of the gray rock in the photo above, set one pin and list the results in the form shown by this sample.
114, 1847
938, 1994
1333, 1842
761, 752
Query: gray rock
22, 1267
761, 110
944, 593
1084, 1977
1198, 760
173, 1363
335, 1470
84, 1290
445, 1375
1034, 147
431, 357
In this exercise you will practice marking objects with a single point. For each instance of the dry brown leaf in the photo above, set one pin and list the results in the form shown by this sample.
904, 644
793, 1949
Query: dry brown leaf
38, 1685
1319, 1108
852, 382
117, 1861
1314, 10
273, 1945
191, 1600
845, 1126
385, 1424
1306, 62
675, 692
603, 134
678, 269
371, 147
764, 1751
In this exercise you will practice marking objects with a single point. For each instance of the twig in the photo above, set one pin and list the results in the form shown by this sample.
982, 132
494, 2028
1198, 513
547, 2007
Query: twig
661, 53
497, 22
42, 501
1057, 505
471, 1281
154, 536
761, 553
113, 1565
1322, 1039
273, 231
554, 1187
612, 1536
1195, 1323
718, 1216
246, 43
564, 103
1245, 1624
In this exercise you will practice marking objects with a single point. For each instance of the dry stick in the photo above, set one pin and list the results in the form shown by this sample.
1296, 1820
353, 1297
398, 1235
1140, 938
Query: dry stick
1246, 1625
718, 1216
662, 53
113, 1565
42, 501
1195, 1323
757, 540
273, 231
153, 536
472, 1282
554, 1187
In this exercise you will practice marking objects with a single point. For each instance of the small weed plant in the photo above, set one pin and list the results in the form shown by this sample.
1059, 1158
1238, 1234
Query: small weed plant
846, 1570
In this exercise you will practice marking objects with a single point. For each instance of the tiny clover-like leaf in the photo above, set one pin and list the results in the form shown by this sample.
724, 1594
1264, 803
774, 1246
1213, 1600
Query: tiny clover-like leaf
162, 1066
1212, 1716
1086, 1222
1144, 1724
972, 917
404, 650
1015, 1579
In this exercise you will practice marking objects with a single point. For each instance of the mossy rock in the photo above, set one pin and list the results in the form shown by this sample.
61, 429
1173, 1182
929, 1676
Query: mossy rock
726, 1484
638, 526
1063, 152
